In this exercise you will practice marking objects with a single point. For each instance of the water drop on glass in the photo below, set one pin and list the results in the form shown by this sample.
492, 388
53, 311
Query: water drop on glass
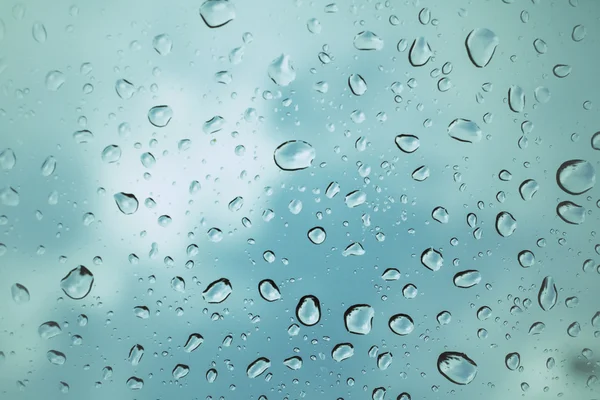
19, 293
258, 367
294, 155
160, 116
217, 13
401, 324
54, 80
432, 259
528, 189
217, 291
407, 143
576, 176
126, 202
308, 310
457, 367
570, 212
481, 44
506, 224
467, 279
49, 330
111, 154
163, 44
281, 70
358, 319
317, 235
268, 290
465, 130
180, 371
357, 84
193, 342
420, 52
77, 284
516, 98
367, 40
124, 89
562, 70
38, 31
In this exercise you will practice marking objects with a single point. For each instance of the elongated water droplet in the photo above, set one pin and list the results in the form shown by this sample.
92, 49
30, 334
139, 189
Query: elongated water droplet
236, 204
465, 130
217, 13
49, 166
537, 328
294, 155
420, 52
213, 125
432, 259
127, 202
8, 159
163, 44
367, 40
124, 89
193, 342
354, 249
56, 357
38, 31
457, 367
54, 80
217, 291
342, 352
258, 367
357, 84
19, 293
359, 319
391, 274
407, 143
308, 310
561, 70
576, 176
281, 70
516, 99
317, 235
420, 174
294, 363
136, 353
111, 154
548, 295
160, 116
401, 324
506, 224
355, 198
540, 46
82, 137
49, 329
180, 371
467, 279
269, 290
512, 361
332, 189
570, 212
77, 283
481, 44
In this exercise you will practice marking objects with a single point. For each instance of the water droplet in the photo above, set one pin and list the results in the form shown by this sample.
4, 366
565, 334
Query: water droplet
217, 291
124, 89
384, 360
526, 258
217, 13
281, 70
481, 44
180, 371
467, 279
574, 329
542, 94
294, 155
56, 357
357, 84
578, 33
20, 294
407, 143
562, 70
213, 125
440, 214
38, 31
215, 235
576, 176
148, 160
516, 98
8, 159
359, 319
595, 142
528, 189
342, 352
512, 361
354, 249
54, 80
317, 235
444, 318
111, 154
162, 44
548, 295
178, 284
457, 367
420, 52
194, 341
236, 204
127, 202
432, 259
82, 137
391, 274
136, 353
9, 197
401, 324
540, 46
77, 283
505, 224
308, 310
49, 329
211, 375
268, 290
464, 130
537, 328
257, 367
570, 212
293, 363
160, 116
367, 40
49, 166
135, 383
355, 198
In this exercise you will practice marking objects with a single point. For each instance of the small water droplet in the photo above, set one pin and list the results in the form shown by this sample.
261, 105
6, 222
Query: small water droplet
124, 89
578, 33
357, 84
512, 361
49, 166
111, 154
38, 30
562, 70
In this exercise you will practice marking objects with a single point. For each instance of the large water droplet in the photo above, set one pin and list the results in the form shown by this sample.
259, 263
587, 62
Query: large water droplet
357, 84
111, 154
516, 98
570, 212
512, 361
367, 40
432, 259
464, 130
526, 258
163, 44
8, 159
294, 363
294, 155
82, 137
444, 318
574, 329
281, 70
401, 324
342, 352
194, 341
127, 202
257, 367
213, 125
268, 290
19, 293
215, 235
317, 235
180, 371
576, 176
77, 283
390, 274
420, 52
481, 44
457, 367
56, 357
49, 329
578, 33
236, 204
359, 319
506, 224
407, 143
308, 310
440, 214
124, 89
537, 328
217, 291
135, 383
467, 279
38, 31
355, 198
561, 70
54, 80
548, 295
528, 189
160, 116
136, 353
354, 249
217, 13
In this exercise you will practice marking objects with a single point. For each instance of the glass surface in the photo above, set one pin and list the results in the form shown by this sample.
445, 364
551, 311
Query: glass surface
299, 199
